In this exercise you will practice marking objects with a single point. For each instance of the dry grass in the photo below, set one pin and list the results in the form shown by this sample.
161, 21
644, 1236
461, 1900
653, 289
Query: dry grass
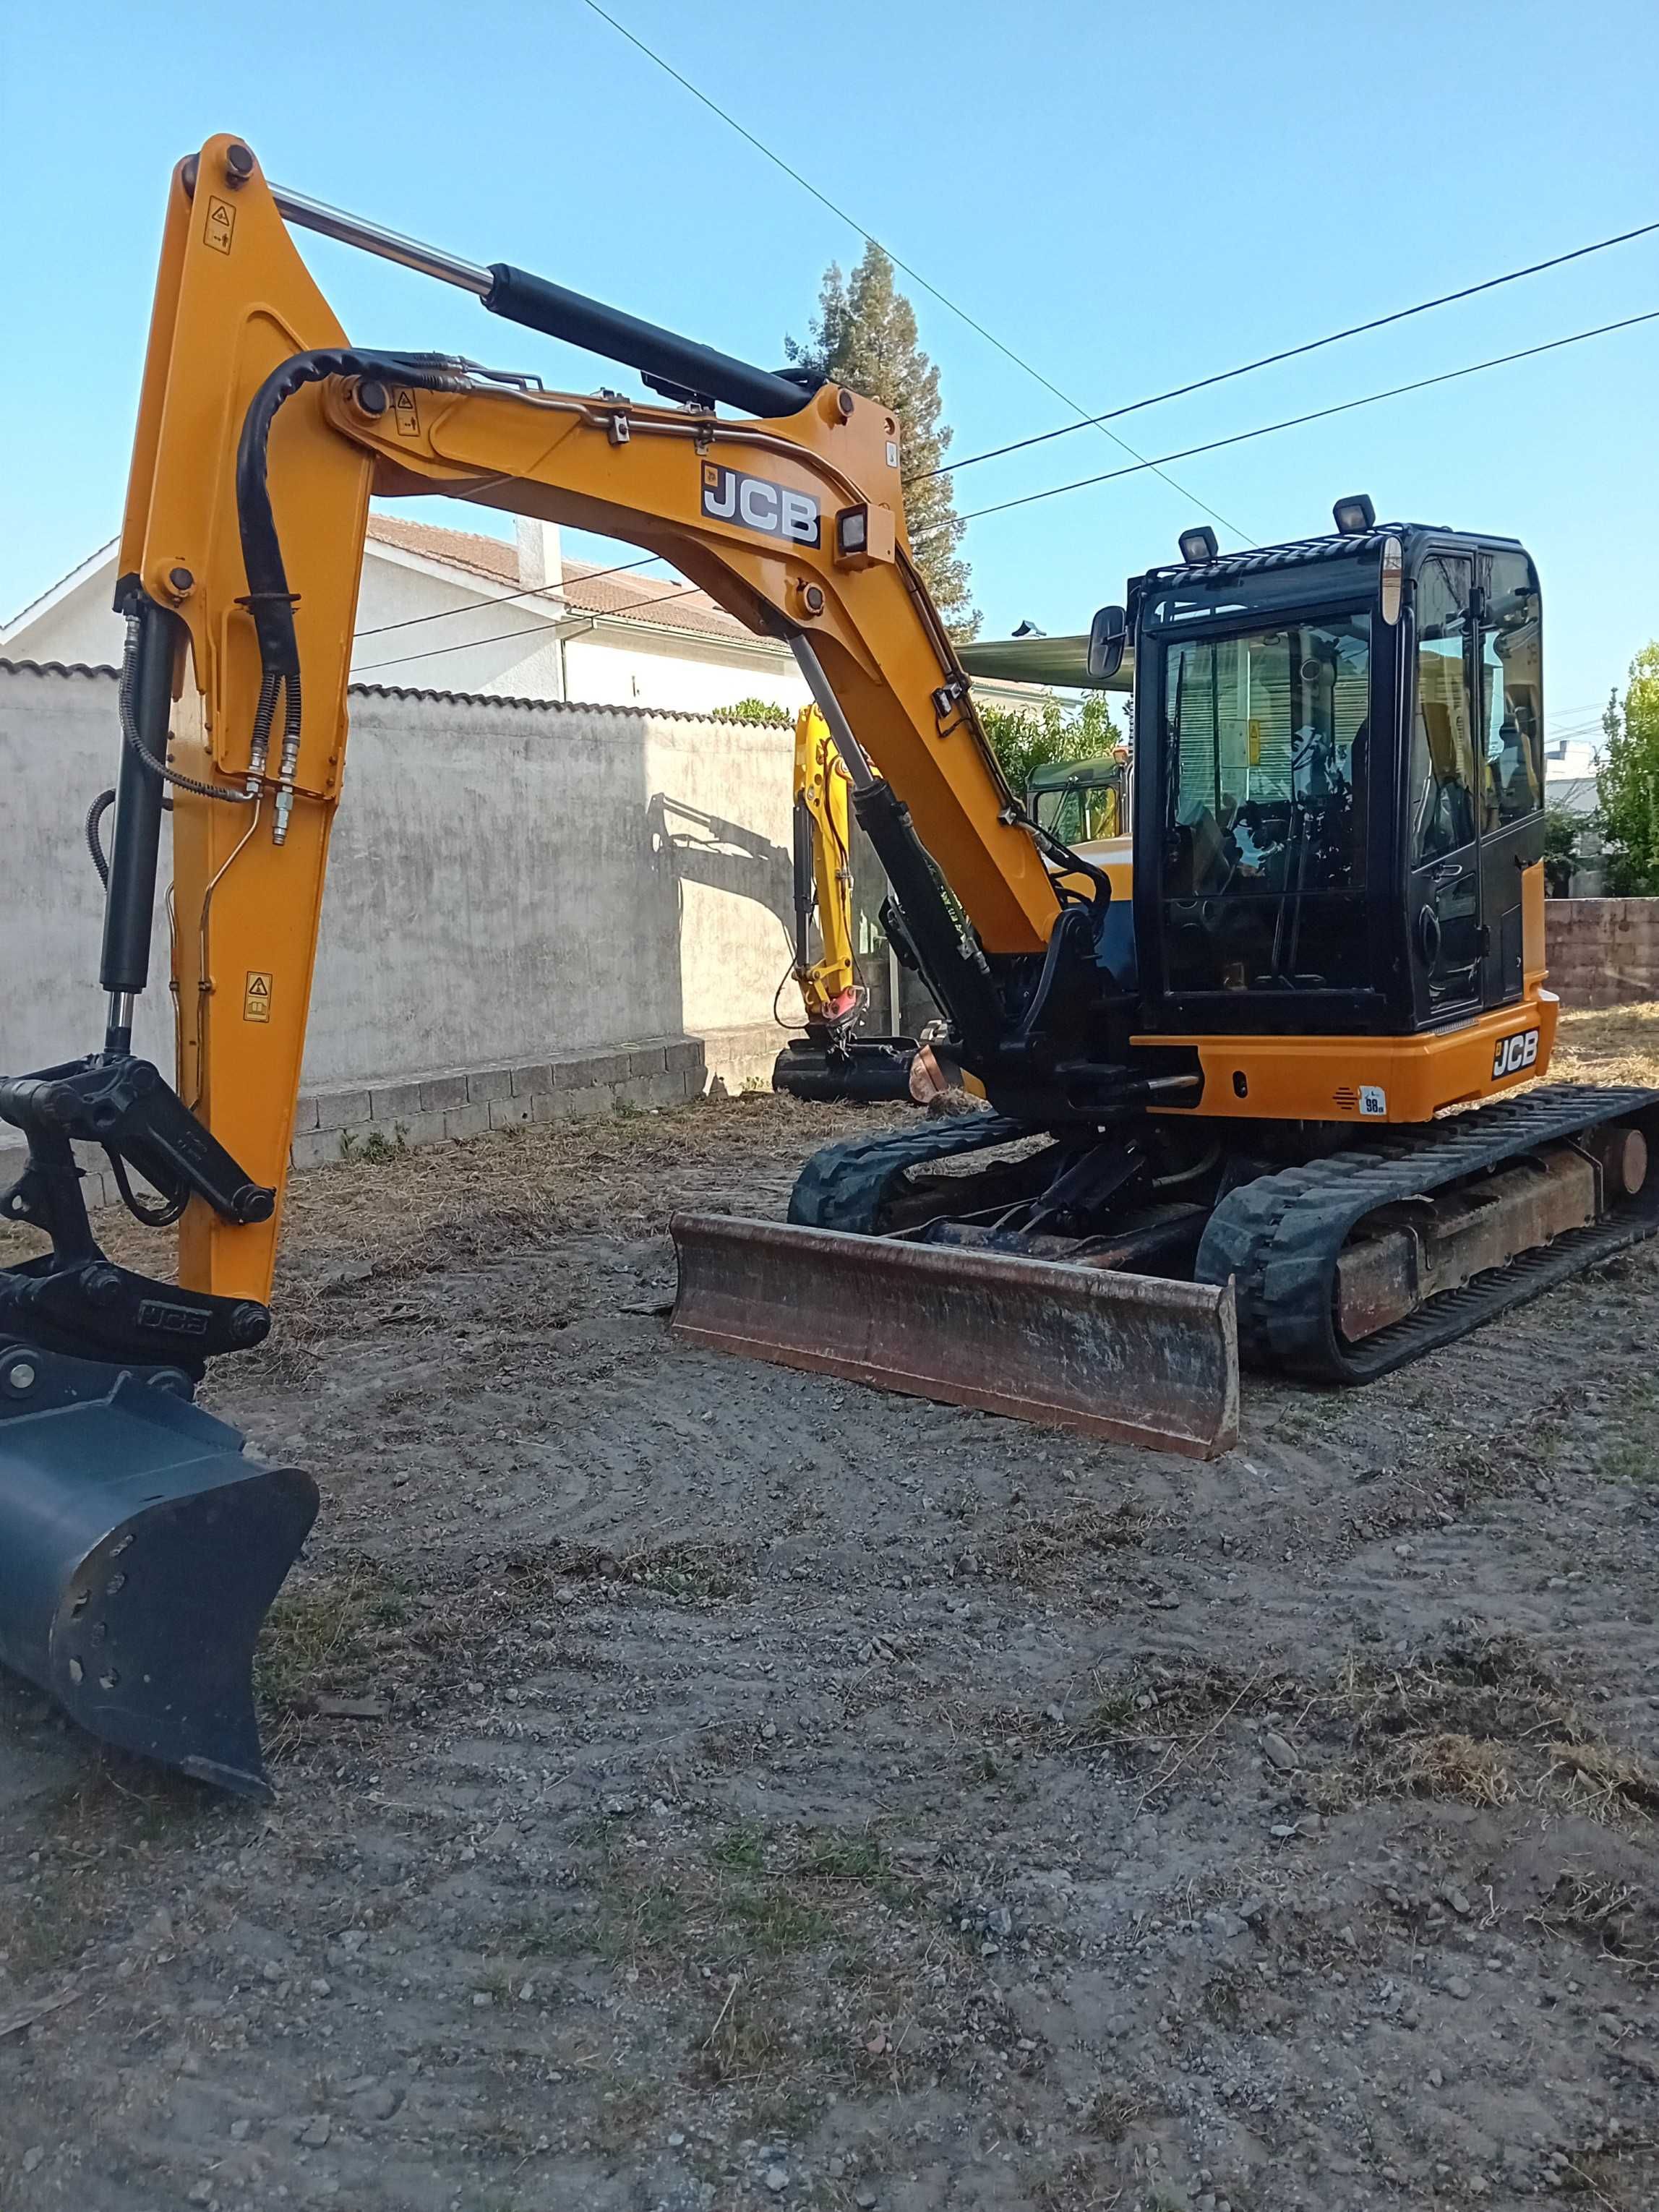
1448, 1765
1613, 1044
1041, 1550
324, 1633
1612, 1917
1175, 1701
1477, 1720
687, 1568
1603, 1780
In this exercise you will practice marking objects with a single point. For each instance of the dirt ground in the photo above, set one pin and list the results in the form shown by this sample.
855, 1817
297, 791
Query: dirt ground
702, 1785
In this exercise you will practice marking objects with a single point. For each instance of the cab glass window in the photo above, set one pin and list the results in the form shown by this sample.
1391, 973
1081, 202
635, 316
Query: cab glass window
1265, 738
1443, 787
1080, 811
1266, 752
1511, 692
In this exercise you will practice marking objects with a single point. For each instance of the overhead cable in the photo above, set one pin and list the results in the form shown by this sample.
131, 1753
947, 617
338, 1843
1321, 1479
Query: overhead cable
1317, 414
913, 273
501, 600
530, 629
1287, 352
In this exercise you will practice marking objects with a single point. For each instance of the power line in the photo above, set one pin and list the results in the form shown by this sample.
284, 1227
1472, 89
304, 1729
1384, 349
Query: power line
1288, 353
1318, 413
506, 599
914, 275
530, 629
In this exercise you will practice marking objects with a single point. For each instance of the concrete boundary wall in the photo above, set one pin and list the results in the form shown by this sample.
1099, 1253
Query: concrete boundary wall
533, 908
1602, 952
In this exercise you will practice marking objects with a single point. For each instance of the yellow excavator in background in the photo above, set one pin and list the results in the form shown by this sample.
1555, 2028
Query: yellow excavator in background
831, 1061
1218, 1080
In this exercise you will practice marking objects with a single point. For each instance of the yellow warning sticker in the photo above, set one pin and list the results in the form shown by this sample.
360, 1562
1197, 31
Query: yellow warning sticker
408, 413
221, 225
256, 998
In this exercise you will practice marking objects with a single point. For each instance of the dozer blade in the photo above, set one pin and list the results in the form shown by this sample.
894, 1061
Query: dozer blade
1132, 1358
138, 1553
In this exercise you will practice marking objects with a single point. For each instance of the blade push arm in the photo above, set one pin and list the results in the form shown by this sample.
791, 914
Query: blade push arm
263, 433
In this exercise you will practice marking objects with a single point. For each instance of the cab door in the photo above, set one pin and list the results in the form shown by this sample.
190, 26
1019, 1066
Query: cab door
1442, 837
1509, 724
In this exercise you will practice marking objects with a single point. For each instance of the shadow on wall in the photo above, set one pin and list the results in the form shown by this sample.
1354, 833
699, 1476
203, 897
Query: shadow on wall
724, 856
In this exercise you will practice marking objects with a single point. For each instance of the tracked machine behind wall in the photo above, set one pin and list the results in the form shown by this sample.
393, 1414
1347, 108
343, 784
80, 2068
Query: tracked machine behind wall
833, 1059
1218, 1095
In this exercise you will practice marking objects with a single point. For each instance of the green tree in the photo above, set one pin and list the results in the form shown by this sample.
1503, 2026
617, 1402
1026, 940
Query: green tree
1627, 781
1024, 740
753, 710
864, 335
1561, 834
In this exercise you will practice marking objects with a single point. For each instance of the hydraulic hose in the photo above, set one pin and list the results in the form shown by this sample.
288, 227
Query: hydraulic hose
95, 813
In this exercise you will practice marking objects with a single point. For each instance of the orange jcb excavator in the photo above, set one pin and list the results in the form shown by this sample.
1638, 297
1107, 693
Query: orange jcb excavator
1216, 1103
831, 1060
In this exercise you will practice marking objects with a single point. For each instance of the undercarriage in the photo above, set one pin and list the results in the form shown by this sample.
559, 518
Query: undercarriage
1336, 1257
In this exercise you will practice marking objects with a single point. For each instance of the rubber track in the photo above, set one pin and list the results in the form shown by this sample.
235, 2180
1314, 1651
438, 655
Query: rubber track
1279, 1236
846, 1186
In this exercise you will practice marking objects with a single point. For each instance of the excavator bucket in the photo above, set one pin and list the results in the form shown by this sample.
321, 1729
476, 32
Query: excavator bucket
1132, 1358
138, 1552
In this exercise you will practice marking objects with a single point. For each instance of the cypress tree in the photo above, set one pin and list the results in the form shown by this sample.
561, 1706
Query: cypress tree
864, 335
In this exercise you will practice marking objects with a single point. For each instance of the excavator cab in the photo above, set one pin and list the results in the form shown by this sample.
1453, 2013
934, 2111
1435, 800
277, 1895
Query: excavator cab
1340, 795
1081, 802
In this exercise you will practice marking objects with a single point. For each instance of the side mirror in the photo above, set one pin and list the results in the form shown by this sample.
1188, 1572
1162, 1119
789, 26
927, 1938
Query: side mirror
1108, 634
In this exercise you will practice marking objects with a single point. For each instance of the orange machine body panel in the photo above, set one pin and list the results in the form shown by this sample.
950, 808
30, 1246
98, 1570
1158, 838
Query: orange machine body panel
1371, 1080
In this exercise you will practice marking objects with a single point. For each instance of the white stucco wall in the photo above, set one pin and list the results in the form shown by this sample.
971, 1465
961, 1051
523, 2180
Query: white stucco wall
508, 882
678, 671
423, 629
83, 627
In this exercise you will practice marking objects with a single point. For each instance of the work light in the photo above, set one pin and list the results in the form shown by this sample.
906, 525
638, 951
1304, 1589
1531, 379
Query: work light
1354, 515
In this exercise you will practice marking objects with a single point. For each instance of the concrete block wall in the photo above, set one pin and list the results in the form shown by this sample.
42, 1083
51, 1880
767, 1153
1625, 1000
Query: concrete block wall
437, 1109
1602, 952
519, 892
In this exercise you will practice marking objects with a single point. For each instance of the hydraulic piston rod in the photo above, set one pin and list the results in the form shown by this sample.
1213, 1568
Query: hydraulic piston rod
675, 365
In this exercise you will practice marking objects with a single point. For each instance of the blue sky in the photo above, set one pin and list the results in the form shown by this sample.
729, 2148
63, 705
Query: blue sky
1128, 196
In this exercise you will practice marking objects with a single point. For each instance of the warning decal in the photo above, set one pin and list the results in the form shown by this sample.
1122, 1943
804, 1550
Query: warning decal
221, 225
256, 998
409, 416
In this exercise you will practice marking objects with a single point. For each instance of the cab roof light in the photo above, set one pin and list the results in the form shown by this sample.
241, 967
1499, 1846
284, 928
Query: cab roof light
1198, 545
1354, 515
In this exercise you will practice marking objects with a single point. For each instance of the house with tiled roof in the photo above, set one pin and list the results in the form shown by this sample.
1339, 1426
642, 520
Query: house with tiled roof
445, 610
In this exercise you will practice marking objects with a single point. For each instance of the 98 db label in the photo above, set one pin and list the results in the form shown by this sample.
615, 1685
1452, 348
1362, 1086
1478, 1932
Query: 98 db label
1515, 1053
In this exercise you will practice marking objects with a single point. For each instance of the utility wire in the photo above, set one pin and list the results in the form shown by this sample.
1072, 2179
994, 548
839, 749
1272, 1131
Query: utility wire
1318, 413
506, 599
1288, 353
1085, 420
530, 629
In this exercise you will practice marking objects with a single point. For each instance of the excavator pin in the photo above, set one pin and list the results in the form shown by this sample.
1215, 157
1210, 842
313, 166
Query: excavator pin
139, 1550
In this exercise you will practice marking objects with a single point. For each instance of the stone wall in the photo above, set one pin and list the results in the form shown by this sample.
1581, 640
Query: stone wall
1602, 952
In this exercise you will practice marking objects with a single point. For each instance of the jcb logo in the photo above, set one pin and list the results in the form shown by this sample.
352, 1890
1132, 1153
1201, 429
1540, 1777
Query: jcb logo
729, 495
1515, 1053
